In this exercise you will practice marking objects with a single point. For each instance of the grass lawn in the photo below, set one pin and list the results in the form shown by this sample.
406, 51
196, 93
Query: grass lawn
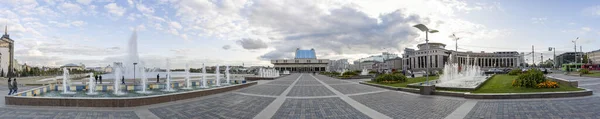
503, 84
408, 81
593, 74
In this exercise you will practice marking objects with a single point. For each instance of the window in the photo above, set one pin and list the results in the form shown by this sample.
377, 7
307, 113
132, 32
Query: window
284, 61
308, 61
276, 61
297, 61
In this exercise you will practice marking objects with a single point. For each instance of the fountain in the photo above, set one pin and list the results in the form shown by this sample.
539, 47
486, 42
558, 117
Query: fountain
144, 80
343, 71
218, 77
286, 72
91, 85
461, 76
188, 84
364, 71
66, 82
204, 85
168, 83
117, 87
227, 81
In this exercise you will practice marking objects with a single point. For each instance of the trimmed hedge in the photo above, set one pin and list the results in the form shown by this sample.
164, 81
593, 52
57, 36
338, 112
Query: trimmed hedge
390, 78
515, 72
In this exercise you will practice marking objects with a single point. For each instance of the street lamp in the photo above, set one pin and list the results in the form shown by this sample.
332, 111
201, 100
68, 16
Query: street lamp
135, 63
427, 31
554, 59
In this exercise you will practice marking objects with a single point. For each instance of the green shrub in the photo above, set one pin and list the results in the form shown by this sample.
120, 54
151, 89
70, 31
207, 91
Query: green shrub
350, 73
373, 72
390, 78
529, 79
584, 71
515, 72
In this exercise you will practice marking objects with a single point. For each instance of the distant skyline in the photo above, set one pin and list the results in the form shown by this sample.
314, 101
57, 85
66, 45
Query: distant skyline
232, 32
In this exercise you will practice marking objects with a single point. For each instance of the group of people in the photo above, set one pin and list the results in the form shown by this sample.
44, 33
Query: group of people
12, 86
98, 77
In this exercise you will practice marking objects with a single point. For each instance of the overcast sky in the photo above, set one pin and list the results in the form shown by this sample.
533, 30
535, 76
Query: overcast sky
232, 32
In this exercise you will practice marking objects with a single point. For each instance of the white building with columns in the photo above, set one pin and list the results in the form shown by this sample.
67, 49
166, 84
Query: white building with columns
436, 56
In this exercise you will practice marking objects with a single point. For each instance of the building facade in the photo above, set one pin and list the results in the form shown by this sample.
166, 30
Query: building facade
7, 54
568, 57
338, 65
436, 56
305, 61
594, 57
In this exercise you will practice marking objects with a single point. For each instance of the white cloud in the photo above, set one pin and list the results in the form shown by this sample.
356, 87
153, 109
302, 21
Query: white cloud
592, 11
70, 8
175, 25
146, 10
84, 2
586, 29
78, 23
114, 9
541, 20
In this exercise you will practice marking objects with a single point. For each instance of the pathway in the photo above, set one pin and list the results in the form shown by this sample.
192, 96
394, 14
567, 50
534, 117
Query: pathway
308, 96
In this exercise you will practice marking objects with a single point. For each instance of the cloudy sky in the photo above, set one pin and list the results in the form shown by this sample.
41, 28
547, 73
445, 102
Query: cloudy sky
232, 32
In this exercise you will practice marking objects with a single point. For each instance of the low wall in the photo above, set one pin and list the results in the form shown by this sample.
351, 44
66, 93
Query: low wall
117, 101
529, 95
469, 95
564, 81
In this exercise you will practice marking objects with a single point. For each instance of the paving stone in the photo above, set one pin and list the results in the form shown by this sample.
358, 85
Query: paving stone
226, 106
281, 82
11, 113
355, 88
274, 90
404, 106
313, 82
310, 91
318, 108
542, 109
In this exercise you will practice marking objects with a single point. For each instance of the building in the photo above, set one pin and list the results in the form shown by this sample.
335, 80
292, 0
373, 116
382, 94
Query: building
373, 63
338, 65
568, 57
594, 57
7, 54
437, 56
304, 61
72, 66
392, 65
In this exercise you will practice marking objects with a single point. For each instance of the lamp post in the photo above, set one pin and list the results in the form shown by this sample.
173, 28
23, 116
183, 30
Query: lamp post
427, 31
554, 59
135, 63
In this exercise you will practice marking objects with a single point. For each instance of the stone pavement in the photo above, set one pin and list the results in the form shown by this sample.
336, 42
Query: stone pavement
307, 96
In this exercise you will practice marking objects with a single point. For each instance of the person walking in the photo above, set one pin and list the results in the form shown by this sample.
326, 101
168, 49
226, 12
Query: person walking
123, 80
15, 87
96, 77
10, 87
157, 77
100, 77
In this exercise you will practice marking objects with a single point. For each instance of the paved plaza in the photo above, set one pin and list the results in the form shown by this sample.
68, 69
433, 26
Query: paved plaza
315, 97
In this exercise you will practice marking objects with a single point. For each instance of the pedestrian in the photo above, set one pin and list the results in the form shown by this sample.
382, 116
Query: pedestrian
10, 87
157, 77
15, 87
123, 80
100, 77
96, 77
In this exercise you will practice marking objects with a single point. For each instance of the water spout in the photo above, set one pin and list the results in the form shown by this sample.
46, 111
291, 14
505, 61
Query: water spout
144, 80
204, 85
91, 85
188, 84
117, 86
227, 81
66, 82
168, 83
218, 77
